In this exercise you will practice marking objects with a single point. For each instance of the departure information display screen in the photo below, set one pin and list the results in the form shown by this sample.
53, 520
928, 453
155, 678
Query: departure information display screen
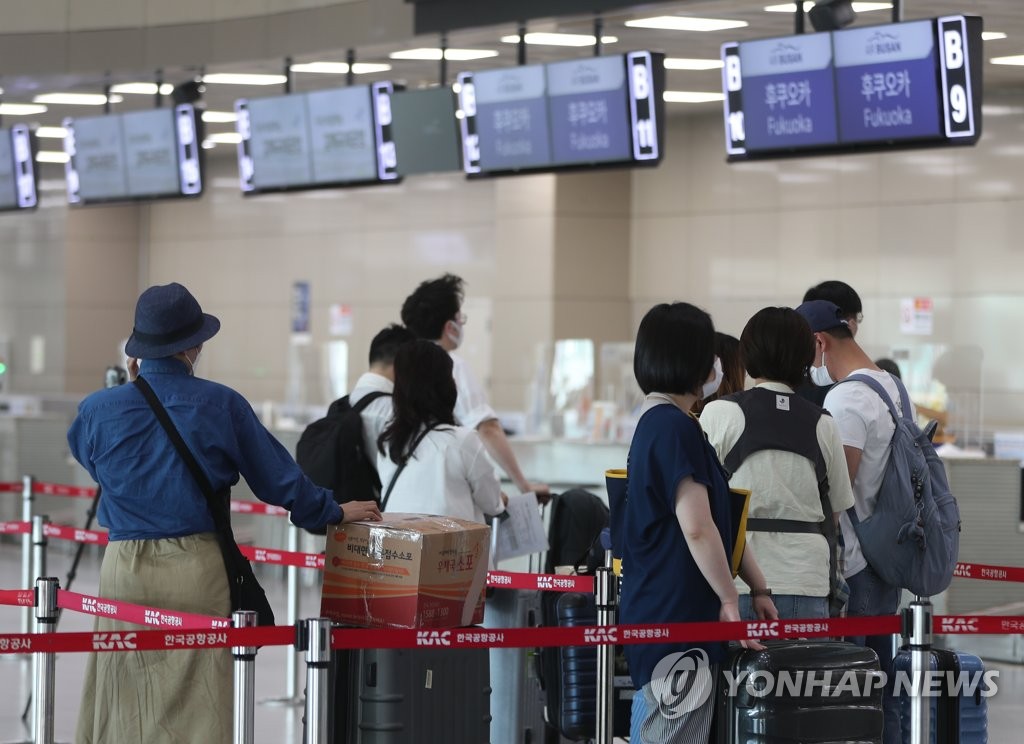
322, 138
426, 131
912, 84
135, 155
18, 187
591, 111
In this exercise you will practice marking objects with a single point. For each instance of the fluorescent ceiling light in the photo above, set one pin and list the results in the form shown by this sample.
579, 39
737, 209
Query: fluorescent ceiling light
341, 68
230, 78
142, 89
1017, 59
225, 138
568, 40
76, 99
207, 145
220, 117
21, 109
428, 54
808, 4
691, 96
52, 132
685, 23
51, 156
992, 35
688, 63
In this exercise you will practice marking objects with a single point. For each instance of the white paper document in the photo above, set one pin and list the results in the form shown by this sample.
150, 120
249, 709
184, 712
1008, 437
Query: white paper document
522, 533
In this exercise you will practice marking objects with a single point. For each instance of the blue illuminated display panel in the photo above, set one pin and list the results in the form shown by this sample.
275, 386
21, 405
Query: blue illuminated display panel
512, 118
788, 92
887, 82
589, 116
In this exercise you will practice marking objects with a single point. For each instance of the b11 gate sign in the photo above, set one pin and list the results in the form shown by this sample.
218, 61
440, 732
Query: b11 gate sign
908, 84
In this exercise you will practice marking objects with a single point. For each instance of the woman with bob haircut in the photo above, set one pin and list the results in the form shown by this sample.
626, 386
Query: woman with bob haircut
789, 454
677, 534
431, 465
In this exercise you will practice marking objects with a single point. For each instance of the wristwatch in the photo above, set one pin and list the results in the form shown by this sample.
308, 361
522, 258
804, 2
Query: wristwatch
760, 593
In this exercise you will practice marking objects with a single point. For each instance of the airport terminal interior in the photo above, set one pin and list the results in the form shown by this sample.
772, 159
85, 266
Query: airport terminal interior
562, 254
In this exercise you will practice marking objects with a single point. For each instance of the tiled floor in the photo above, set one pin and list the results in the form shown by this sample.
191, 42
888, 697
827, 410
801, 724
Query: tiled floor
277, 724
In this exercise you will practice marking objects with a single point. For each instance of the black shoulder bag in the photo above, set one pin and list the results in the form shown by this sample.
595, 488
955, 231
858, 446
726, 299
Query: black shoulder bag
246, 592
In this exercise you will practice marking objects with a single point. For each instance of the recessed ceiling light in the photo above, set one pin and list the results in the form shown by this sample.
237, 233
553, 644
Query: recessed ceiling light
142, 89
207, 145
231, 78
992, 35
428, 54
808, 4
551, 39
21, 109
76, 99
225, 138
52, 132
688, 63
52, 156
691, 96
1016, 59
685, 23
219, 117
341, 68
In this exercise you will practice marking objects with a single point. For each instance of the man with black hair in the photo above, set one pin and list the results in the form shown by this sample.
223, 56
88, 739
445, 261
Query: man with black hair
379, 378
434, 312
843, 296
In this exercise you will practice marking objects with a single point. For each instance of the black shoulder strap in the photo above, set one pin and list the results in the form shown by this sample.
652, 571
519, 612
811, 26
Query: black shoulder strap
367, 400
401, 467
179, 444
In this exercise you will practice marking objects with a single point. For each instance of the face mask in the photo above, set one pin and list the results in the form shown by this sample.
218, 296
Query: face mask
456, 337
193, 362
712, 385
820, 375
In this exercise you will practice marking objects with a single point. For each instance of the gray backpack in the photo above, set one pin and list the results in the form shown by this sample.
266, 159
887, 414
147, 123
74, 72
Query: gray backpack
912, 539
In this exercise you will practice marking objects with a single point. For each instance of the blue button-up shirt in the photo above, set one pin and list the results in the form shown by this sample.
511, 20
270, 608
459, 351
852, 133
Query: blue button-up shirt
148, 491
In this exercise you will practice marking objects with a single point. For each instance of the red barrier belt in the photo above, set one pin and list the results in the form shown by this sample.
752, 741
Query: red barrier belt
542, 582
257, 507
146, 640
10, 487
18, 597
53, 489
15, 528
75, 534
283, 557
990, 573
132, 613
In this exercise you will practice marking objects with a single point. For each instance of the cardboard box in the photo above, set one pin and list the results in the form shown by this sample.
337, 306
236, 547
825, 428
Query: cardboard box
407, 571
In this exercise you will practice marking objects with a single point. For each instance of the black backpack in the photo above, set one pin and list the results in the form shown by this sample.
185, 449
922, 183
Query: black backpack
332, 452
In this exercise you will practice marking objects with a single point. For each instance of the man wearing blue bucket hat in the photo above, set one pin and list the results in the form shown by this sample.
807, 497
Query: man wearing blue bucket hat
163, 549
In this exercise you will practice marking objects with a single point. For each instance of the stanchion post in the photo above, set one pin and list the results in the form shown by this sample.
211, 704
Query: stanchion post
318, 658
46, 622
245, 682
27, 577
292, 661
917, 627
39, 543
606, 590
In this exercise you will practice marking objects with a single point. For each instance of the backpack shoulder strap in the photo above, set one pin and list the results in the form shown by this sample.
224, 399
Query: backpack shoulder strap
881, 392
367, 399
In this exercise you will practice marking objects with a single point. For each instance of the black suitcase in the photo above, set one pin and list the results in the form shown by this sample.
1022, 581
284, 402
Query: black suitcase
962, 719
411, 696
831, 713
572, 704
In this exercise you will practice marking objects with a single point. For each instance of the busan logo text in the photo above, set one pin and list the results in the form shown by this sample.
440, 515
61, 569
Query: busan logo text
585, 75
510, 84
681, 682
434, 638
785, 54
883, 43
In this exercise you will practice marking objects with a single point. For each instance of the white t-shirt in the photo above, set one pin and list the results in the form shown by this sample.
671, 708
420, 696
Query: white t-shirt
449, 475
471, 407
865, 424
377, 414
784, 485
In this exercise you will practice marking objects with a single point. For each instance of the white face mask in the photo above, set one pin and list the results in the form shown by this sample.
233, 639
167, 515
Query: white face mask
820, 375
193, 362
712, 385
456, 336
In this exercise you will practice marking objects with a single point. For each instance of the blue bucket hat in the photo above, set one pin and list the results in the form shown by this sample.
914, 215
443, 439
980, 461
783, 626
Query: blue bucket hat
822, 315
168, 320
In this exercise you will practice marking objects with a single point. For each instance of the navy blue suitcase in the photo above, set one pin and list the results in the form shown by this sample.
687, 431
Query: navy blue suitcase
955, 720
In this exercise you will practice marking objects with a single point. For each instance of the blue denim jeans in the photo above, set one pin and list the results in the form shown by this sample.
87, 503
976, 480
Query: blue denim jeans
790, 607
870, 596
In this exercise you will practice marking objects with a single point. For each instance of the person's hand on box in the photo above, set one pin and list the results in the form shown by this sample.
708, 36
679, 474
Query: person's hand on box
360, 511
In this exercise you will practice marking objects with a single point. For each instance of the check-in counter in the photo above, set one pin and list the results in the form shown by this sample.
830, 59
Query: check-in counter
565, 464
